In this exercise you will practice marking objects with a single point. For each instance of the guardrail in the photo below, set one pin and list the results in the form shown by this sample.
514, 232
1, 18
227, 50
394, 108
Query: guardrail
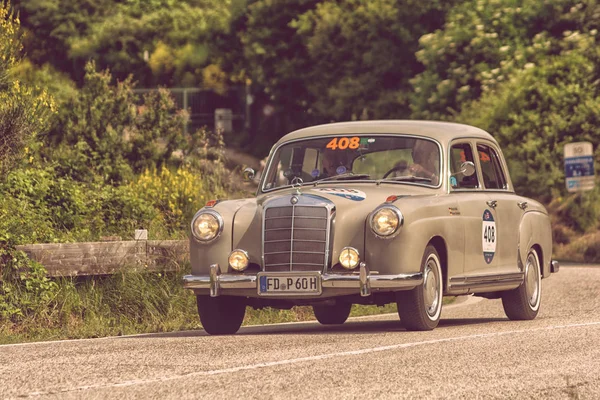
104, 258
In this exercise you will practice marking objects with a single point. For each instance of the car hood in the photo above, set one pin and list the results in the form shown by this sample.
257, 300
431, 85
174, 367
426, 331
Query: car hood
352, 194
353, 203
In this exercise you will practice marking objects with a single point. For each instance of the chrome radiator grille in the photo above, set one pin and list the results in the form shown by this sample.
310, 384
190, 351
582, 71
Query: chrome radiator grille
295, 238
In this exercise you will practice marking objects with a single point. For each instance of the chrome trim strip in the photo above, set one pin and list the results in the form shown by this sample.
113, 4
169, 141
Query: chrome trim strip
282, 264
288, 216
215, 272
328, 281
365, 287
297, 240
299, 229
304, 200
291, 231
472, 282
296, 252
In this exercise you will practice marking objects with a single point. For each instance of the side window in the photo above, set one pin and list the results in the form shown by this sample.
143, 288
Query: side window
460, 153
493, 177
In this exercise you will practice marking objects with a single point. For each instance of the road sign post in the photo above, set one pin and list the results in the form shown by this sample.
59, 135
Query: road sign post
579, 166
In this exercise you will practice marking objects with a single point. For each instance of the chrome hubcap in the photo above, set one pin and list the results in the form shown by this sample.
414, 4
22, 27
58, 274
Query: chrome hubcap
532, 272
431, 291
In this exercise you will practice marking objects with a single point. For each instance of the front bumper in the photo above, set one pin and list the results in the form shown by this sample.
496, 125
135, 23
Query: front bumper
363, 282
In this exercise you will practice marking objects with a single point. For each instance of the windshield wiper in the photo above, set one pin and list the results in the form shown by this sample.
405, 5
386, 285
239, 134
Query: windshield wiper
407, 178
344, 177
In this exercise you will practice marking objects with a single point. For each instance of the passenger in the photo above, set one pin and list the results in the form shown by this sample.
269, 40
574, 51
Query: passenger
426, 159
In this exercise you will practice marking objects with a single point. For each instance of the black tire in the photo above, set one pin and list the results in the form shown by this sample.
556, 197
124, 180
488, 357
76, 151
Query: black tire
523, 303
222, 315
332, 315
420, 308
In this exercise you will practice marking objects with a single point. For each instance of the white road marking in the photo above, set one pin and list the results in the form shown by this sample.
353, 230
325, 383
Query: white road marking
306, 359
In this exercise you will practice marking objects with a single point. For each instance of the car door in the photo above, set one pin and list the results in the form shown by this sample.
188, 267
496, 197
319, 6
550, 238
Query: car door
509, 207
476, 215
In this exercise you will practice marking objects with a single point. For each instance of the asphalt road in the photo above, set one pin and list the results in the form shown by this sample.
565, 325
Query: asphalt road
474, 353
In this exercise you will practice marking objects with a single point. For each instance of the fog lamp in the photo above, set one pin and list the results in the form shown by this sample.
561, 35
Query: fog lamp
238, 260
349, 257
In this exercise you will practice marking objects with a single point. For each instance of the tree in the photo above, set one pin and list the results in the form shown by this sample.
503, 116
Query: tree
484, 41
322, 60
158, 42
23, 110
51, 26
362, 54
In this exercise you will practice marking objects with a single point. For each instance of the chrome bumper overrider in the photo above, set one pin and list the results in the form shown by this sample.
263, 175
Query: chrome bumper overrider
362, 281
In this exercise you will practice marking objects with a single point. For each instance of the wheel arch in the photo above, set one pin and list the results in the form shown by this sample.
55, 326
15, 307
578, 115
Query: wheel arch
540, 254
440, 246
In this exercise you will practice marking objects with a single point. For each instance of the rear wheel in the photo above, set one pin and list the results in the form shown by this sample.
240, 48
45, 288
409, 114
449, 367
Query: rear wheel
332, 314
420, 308
523, 303
222, 315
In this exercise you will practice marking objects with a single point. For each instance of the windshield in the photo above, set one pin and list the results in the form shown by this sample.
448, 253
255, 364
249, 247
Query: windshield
355, 157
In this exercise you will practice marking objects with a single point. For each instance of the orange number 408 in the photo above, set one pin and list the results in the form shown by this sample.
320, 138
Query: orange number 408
344, 143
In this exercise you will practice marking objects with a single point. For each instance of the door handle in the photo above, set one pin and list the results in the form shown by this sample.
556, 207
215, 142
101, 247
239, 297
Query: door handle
522, 205
492, 203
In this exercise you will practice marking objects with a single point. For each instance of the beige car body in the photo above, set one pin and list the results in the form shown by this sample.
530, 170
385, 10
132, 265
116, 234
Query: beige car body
447, 218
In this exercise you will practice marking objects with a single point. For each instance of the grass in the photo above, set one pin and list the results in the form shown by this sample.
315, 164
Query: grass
122, 304
584, 248
130, 303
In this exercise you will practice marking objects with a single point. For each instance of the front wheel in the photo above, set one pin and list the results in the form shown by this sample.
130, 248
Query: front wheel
222, 315
420, 308
332, 314
523, 303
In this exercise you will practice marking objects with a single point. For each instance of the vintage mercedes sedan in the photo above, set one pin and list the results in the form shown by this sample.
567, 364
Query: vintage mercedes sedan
372, 212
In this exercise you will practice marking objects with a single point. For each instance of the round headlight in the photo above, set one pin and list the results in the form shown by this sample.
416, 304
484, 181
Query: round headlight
238, 260
349, 257
385, 221
207, 226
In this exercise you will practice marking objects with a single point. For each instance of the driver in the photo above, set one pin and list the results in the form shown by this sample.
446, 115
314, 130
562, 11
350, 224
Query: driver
333, 163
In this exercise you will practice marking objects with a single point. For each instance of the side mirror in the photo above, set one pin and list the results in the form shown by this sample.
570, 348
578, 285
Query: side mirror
467, 168
248, 174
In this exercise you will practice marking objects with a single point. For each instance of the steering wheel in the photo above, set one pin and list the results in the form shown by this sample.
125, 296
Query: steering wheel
396, 168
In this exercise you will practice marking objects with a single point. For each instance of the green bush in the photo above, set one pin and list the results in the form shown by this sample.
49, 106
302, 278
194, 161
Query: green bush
108, 131
540, 110
578, 212
25, 292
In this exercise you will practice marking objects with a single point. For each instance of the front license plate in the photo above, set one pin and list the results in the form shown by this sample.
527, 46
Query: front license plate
288, 284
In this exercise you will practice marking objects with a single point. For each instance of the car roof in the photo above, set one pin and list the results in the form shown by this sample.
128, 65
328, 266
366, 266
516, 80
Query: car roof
443, 132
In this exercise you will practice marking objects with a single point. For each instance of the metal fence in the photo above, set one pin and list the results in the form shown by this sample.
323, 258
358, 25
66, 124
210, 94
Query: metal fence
203, 103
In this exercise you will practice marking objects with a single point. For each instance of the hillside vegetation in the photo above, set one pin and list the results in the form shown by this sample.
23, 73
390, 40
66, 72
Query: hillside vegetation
83, 156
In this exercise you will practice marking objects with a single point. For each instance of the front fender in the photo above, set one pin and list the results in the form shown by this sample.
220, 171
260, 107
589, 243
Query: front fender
425, 219
202, 255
